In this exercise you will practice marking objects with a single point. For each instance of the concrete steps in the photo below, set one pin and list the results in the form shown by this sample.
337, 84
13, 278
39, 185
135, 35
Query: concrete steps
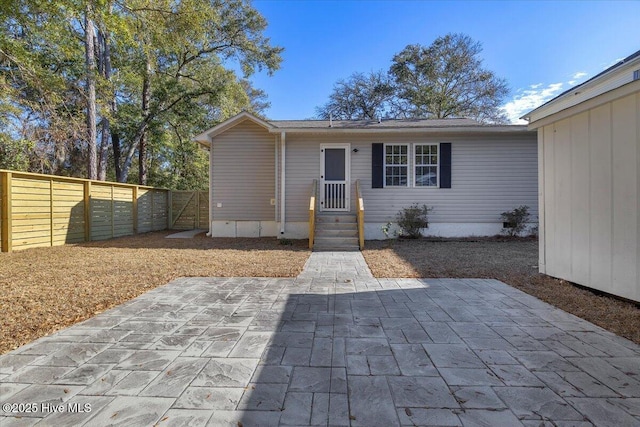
336, 233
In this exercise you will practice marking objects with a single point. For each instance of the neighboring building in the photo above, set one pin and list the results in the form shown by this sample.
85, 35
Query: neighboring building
589, 179
261, 173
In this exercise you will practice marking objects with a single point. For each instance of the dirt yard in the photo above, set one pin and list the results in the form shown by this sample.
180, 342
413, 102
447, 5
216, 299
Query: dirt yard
512, 261
46, 289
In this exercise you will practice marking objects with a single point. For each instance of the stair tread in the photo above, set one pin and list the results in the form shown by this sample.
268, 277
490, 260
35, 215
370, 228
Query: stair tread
341, 226
336, 219
336, 232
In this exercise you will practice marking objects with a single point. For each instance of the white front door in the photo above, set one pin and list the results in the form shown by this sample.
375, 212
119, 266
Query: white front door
334, 177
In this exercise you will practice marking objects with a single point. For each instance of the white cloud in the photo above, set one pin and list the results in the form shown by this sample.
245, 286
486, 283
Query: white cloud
575, 79
528, 99
611, 64
537, 94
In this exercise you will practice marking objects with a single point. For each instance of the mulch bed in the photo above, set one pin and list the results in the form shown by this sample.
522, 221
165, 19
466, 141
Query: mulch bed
43, 290
512, 261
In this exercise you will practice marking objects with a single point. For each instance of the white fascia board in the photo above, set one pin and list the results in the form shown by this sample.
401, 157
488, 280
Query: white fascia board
605, 83
204, 140
515, 129
610, 96
206, 137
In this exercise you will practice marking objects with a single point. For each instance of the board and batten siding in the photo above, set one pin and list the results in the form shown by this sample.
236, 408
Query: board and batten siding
243, 179
490, 175
590, 177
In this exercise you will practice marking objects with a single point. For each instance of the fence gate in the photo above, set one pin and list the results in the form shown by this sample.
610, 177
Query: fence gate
189, 210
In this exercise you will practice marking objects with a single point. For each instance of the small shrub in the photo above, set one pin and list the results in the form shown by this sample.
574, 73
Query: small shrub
515, 221
388, 231
412, 220
285, 242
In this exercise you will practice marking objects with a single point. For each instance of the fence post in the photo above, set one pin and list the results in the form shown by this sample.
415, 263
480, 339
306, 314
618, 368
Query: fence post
5, 177
50, 211
113, 214
197, 224
87, 211
153, 210
134, 200
169, 209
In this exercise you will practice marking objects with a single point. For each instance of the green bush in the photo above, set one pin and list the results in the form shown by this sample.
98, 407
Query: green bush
388, 231
412, 220
515, 221
285, 242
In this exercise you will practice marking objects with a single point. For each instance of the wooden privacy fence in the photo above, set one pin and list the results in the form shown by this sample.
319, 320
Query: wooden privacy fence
45, 210
189, 210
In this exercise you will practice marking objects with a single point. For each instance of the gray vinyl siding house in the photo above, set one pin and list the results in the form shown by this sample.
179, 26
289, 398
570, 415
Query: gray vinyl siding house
244, 182
261, 173
589, 177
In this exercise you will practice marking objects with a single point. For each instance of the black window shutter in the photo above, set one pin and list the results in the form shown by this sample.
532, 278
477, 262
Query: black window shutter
445, 165
377, 165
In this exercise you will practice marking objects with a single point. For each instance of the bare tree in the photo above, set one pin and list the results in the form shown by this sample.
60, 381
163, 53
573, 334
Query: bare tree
359, 97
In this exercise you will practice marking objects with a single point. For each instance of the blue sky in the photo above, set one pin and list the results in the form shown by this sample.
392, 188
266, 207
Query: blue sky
540, 47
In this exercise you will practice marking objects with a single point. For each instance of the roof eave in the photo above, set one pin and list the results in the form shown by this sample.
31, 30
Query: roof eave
204, 143
443, 129
546, 109
206, 137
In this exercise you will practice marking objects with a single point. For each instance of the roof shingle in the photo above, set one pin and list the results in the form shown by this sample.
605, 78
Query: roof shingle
373, 124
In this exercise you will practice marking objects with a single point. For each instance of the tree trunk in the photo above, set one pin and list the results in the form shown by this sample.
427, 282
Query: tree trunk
104, 151
142, 159
105, 68
91, 93
142, 145
117, 154
126, 165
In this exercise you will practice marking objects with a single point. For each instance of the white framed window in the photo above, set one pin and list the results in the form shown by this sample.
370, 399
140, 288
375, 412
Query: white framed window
396, 165
425, 165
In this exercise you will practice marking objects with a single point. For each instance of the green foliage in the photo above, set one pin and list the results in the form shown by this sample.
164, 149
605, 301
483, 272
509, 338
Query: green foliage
177, 163
447, 79
179, 57
444, 79
41, 62
388, 231
412, 220
14, 154
516, 220
164, 73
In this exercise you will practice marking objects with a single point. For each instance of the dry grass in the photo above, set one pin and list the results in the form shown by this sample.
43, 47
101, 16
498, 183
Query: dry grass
47, 289
511, 261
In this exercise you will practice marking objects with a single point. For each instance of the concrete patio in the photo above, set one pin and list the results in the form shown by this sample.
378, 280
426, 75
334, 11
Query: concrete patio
334, 346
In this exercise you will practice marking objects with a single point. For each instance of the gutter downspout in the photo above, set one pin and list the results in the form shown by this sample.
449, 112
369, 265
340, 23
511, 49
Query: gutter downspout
276, 177
283, 153
210, 187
